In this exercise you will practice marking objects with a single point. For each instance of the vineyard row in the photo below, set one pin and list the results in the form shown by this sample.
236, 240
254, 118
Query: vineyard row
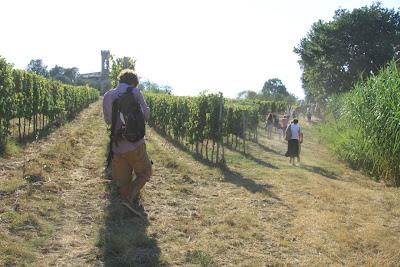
206, 123
30, 102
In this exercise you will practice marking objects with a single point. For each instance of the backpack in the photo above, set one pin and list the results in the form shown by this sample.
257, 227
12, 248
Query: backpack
127, 109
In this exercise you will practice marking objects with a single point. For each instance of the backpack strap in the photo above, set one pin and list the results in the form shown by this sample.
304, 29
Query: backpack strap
115, 112
129, 90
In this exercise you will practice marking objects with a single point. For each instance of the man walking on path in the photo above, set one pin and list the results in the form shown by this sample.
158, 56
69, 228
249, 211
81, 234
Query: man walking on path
294, 136
127, 155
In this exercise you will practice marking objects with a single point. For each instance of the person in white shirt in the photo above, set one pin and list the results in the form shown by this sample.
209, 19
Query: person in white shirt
296, 137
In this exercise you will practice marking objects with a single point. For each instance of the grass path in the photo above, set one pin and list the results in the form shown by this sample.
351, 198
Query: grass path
264, 211
58, 185
259, 211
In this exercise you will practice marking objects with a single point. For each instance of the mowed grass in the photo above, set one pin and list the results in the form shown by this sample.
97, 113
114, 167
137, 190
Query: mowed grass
34, 192
31, 205
257, 211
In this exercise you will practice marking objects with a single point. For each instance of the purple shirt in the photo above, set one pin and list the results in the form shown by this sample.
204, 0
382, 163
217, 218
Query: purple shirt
109, 97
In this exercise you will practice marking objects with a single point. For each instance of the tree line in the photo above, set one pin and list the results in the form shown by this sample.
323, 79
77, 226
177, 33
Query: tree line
272, 90
59, 73
355, 45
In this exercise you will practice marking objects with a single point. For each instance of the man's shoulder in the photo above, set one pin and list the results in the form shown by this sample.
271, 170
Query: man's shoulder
110, 93
108, 97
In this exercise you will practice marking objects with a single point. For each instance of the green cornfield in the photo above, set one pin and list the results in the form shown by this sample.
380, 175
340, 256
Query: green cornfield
365, 126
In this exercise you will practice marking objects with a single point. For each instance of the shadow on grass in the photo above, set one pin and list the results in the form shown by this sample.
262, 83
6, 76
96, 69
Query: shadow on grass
39, 134
269, 150
124, 240
228, 174
236, 178
255, 159
320, 171
205, 161
42, 133
180, 146
21, 143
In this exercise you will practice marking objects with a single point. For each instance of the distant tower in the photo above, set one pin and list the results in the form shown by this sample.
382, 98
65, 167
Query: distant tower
126, 62
105, 62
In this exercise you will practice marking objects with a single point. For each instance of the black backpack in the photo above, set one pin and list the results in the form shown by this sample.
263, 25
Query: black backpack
126, 108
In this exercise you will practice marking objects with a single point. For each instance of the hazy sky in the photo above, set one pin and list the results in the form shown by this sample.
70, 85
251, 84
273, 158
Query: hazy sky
220, 45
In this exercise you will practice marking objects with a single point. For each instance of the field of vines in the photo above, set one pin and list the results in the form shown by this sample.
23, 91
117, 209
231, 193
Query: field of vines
29, 103
207, 123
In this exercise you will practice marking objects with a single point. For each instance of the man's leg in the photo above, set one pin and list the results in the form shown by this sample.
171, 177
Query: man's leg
143, 169
137, 185
122, 174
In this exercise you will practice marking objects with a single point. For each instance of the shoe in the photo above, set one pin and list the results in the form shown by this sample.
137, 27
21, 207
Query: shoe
130, 207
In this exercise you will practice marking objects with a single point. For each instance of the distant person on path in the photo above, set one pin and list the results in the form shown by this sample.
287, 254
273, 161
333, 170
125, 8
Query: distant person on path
308, 114
269, 125
284, 123
294, 114
127, 148
276, 121
294, 138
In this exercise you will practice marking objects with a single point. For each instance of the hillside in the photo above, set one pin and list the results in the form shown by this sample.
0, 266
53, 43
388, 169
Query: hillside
57, 208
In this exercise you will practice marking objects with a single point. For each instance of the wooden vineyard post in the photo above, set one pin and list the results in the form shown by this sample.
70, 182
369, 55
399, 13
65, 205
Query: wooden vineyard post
244, 131
221, 112
220, 140
257, 131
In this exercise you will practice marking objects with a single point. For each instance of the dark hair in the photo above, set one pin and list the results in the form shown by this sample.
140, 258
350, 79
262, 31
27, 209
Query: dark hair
129, 77
295, 121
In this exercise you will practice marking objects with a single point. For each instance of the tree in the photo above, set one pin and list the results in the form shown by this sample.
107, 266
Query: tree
248, 94
117, 65
72, 74
37, 66
273, 87
336, 55
149, 86
57, 73
65, 75
275, 90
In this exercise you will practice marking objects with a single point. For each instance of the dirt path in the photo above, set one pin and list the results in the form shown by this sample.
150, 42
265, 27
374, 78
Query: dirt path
84, 198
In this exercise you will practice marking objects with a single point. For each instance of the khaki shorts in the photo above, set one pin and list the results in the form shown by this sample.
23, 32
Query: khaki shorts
124, 164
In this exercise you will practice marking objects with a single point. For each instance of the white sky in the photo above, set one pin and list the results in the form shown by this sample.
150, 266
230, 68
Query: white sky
219, 45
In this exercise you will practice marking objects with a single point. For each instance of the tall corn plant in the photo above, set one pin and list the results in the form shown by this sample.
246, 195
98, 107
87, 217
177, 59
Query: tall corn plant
372, 112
